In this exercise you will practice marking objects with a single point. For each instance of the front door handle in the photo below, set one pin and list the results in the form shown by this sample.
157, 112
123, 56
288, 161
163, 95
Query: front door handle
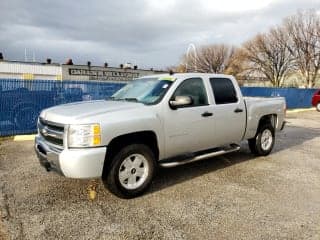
238, 110
206, 114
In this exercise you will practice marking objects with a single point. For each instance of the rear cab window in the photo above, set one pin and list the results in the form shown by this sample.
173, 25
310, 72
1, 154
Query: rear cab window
223, 91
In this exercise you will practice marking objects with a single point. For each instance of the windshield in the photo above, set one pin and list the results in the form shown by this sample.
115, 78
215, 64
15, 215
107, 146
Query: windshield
144, 90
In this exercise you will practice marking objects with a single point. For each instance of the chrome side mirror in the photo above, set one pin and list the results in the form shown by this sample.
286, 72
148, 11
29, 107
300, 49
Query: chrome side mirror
181, 101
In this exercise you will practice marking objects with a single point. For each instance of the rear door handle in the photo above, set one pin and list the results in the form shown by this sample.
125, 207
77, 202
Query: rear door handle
206, 114
238, 110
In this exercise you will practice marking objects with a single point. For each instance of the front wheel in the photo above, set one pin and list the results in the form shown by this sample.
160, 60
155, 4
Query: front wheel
131, 171
318, 107
262, 144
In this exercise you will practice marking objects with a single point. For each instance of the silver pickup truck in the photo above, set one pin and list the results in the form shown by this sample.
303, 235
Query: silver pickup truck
161, 120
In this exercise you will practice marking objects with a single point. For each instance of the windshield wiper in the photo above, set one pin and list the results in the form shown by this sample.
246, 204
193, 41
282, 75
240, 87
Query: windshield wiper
111, 98
123, 99
131, 99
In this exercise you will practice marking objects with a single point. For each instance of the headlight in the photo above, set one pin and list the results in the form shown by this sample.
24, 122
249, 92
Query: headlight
88, 135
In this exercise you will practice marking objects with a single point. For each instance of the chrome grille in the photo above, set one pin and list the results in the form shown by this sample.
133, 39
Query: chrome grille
51, 132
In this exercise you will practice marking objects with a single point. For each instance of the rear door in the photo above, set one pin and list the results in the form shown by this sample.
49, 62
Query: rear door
229, 111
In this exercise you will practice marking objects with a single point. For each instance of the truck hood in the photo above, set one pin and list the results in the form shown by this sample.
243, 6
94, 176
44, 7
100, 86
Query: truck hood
68, 113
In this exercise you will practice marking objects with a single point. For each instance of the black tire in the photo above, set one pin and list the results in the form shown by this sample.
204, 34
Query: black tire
256, 144
252, 145
318, 107
111, 179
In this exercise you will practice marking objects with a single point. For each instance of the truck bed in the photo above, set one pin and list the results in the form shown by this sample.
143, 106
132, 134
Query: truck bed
260, 106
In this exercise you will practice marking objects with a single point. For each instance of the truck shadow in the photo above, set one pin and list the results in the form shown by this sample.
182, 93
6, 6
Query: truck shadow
291, 137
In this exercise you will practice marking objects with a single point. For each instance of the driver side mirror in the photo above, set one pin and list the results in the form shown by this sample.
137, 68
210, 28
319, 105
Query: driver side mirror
180, 101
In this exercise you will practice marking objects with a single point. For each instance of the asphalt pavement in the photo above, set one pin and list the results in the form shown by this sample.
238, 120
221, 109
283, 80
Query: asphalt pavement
236, 196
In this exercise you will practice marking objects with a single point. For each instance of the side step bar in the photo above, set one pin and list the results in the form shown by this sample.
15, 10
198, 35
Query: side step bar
221, 151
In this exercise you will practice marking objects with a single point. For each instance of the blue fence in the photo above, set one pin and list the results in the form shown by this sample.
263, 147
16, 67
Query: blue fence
295, 98
22, 100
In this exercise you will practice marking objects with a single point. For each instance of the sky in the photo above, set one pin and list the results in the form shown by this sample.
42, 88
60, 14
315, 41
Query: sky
147, 33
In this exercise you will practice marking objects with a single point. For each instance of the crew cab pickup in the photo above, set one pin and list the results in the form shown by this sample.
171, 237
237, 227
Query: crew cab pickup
155, 121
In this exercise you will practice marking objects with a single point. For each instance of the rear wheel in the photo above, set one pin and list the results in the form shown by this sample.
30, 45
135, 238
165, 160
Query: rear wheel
262, 144
318, 107
131, 171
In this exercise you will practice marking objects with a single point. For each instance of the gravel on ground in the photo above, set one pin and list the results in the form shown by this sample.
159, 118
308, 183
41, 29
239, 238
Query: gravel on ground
236, 196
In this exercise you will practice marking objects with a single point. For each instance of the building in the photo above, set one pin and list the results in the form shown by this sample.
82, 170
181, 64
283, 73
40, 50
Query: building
30, 70
55, 71
88, 72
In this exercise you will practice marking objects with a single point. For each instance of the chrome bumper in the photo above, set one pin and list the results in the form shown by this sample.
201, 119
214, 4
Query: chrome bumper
48, 156
83, 163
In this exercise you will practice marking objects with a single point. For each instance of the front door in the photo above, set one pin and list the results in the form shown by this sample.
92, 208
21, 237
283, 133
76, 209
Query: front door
189, 129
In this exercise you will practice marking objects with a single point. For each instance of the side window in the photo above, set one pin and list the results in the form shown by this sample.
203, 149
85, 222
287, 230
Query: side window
223, 90
193, 88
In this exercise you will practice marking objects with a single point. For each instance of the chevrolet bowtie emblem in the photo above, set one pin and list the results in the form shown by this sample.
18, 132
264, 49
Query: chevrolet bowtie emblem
44, 132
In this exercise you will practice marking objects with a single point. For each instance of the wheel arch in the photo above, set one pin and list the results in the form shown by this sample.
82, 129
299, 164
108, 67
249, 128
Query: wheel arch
255, 123
257, 143
148, 138
269, 118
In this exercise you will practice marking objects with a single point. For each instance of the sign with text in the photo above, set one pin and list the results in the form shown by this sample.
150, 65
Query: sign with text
104, 74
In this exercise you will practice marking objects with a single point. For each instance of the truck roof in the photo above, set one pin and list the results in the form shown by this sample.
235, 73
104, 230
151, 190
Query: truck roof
188, 75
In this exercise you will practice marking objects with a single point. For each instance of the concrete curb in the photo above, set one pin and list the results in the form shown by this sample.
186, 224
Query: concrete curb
5, 139
301, 110
19, 138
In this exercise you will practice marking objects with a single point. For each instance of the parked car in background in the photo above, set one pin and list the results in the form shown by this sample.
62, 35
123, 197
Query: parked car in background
316, 100
22, 106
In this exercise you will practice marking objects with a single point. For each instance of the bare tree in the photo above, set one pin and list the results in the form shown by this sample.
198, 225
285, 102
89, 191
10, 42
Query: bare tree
212, 58
267, 56
237, 64
180, 68
303, 30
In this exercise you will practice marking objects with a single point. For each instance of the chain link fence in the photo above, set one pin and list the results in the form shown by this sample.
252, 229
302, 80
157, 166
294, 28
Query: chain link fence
21, 101
295, 97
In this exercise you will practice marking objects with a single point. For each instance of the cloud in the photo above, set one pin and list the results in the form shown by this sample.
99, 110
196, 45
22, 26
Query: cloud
150, 33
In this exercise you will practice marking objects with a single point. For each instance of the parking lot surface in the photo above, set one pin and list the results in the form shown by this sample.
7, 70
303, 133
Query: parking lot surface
236, 196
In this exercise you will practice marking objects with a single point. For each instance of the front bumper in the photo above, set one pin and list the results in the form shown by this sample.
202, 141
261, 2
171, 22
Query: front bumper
72, 163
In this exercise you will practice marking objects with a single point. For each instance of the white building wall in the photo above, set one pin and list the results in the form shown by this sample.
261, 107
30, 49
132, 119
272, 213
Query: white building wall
21, 70
42, 71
